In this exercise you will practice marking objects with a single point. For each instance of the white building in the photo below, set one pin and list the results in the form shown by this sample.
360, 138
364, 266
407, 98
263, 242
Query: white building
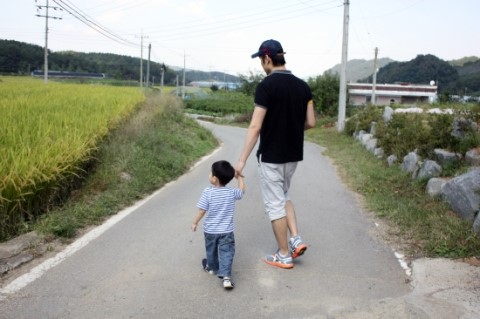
385, 94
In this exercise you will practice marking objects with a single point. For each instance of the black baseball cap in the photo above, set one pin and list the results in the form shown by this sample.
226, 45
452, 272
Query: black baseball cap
269, 47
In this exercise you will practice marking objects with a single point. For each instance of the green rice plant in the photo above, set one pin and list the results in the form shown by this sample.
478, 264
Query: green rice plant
47, 134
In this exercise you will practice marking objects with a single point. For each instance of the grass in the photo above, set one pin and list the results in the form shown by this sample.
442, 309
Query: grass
425, 224
156, 145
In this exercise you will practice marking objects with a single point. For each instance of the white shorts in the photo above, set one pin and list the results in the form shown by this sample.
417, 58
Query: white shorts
275, 181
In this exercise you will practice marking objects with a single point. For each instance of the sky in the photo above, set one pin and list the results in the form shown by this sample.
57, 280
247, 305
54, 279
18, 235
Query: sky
221, 35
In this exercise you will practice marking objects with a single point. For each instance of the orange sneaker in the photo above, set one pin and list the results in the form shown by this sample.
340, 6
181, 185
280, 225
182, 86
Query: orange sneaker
279, 261
297, 246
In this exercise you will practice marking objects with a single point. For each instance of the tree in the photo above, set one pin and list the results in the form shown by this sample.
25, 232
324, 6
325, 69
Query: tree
325, 90
421, 70
249, 82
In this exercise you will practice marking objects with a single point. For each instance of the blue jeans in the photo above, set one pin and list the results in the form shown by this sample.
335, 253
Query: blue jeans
220, 251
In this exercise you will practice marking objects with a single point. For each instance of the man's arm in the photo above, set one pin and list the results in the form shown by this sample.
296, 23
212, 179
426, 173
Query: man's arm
252, 137
310, 119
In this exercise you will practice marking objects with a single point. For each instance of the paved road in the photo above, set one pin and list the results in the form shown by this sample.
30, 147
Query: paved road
148, 264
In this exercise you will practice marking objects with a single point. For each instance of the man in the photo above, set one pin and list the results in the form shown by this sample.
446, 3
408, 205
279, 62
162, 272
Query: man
283, 110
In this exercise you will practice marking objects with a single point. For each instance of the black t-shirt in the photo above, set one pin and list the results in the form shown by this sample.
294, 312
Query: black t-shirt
285, 97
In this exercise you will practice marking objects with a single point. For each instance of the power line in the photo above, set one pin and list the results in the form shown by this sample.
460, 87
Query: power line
231, 24
88, 21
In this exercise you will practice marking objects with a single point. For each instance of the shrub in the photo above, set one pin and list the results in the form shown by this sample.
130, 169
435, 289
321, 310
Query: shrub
403, 134
325, 93
362, 119
423, 132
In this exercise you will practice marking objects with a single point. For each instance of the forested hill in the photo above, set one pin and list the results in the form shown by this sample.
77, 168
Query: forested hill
453, 78
23, 58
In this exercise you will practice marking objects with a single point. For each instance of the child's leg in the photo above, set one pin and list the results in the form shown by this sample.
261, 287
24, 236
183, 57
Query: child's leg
211, 248
226, 252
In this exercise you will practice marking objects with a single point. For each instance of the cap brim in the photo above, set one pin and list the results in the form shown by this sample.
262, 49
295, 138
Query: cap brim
256, 54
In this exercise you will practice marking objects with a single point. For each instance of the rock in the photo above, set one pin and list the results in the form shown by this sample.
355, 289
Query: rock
360, 134
17, 245
472, 157
435, 185
378, 152
410, 161
365, 138
429, 169
125, 176
476, 225
373, 128
463, 126
19, 260
387, 114
17, 251
392, 160
445, 157
4, 269
371, 145
463, 194
440, 111
409, 110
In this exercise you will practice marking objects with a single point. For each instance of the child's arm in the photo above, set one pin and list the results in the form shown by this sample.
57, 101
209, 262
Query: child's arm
241, 183
197, 219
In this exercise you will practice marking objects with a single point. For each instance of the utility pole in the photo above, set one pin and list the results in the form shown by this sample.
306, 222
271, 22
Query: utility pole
374, 84
141, 57
342, 99
176, 84
183, 88
148, 65
161, 79
46, 16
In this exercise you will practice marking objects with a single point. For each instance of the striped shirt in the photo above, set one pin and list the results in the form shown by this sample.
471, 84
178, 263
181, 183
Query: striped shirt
219, 203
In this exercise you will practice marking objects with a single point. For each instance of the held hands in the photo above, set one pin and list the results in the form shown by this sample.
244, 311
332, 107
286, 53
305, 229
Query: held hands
239, 169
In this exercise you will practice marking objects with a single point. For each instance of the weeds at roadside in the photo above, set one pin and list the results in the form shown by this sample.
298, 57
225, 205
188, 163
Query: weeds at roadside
158, 144
422, 221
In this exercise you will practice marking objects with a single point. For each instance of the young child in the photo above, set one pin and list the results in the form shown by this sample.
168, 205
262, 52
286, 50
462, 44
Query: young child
218, 203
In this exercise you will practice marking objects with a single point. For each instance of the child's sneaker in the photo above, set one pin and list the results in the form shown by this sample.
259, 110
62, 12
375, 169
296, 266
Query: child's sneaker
228, 283
297, 246
279, 261
206, 268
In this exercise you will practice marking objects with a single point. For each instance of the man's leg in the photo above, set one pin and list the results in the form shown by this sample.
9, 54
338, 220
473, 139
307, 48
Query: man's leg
272, 182
280, 227
296, 243
282, 257
291, 218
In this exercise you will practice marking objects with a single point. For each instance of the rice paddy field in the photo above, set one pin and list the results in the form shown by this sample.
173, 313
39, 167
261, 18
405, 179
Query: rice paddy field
47, 134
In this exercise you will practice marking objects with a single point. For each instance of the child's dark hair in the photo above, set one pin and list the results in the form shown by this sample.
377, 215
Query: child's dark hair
224, 171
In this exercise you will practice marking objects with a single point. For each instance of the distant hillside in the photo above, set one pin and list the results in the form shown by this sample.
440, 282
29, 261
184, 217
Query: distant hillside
360, 69
456, 80
461, 62
23, 58
468, 79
